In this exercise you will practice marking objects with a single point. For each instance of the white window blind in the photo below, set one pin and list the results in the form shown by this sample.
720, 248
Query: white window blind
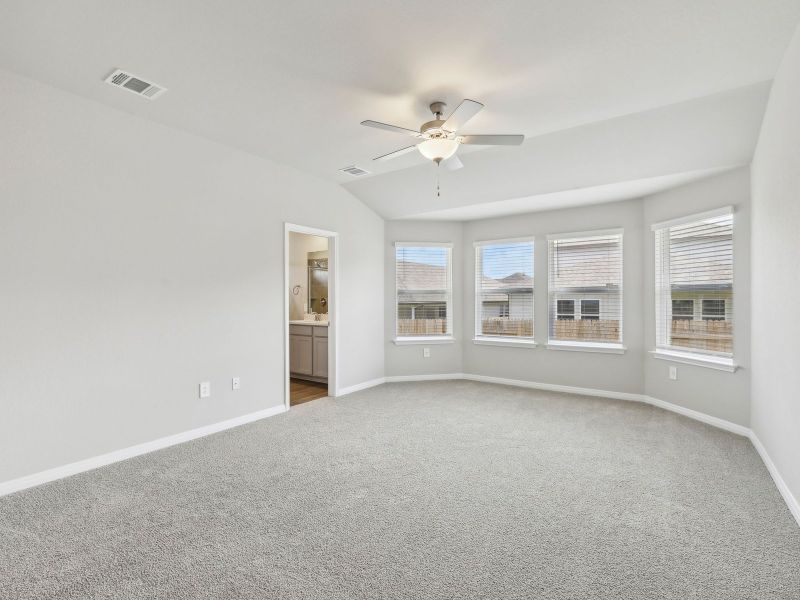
585, 287
424, 289
694, 283
504, 289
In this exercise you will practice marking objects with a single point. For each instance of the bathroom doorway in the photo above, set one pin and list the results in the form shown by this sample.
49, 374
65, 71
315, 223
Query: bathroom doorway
310, 316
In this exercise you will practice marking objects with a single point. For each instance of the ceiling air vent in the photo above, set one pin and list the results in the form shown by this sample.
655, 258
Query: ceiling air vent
134, 84
354, 171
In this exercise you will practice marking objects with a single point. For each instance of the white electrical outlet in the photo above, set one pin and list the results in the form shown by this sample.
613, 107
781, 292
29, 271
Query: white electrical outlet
426, 353
205, 389
673, 373
236, 383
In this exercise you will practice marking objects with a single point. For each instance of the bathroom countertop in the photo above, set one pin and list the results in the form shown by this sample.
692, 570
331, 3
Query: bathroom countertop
314, 323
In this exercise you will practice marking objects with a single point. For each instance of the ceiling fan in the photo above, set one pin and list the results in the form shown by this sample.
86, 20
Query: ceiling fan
439, 139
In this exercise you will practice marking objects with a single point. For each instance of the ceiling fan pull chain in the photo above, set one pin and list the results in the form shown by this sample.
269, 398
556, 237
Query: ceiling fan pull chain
438, 192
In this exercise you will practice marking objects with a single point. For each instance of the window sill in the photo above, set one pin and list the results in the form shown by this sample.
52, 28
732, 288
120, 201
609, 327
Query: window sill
719, 363
438, 339
502, 341
587, 347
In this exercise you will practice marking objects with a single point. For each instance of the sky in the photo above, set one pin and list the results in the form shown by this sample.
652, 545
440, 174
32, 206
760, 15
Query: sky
499, 260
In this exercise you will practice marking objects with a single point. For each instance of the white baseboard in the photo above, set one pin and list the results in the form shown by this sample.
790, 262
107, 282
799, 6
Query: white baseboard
551, 387
786, 493
433, 377
21, 483
698, 416
360, 386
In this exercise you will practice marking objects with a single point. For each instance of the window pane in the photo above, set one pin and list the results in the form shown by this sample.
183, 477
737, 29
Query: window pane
566, 310
423, 290
694, 268
714, 310
504, 289
590, 309
586, 273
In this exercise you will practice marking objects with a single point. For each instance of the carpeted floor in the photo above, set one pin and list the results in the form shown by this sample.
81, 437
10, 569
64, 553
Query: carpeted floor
421, 490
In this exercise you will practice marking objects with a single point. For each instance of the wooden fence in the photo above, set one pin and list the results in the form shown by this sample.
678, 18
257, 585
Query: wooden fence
507, 327
716, 336
587, 330
407, 327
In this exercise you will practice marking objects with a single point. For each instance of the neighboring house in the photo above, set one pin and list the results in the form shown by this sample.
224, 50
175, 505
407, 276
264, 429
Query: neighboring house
421, 291
706, 293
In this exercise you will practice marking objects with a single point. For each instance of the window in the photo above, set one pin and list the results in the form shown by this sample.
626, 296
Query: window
683, 310
714, 310
694, 284
504, 289
590, 309
586, 274
565, 310
423, 278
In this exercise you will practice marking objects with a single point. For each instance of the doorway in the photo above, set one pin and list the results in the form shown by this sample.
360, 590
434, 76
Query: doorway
310, 316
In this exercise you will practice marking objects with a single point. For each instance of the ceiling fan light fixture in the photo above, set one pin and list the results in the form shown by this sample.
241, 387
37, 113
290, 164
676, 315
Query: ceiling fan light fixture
438, 149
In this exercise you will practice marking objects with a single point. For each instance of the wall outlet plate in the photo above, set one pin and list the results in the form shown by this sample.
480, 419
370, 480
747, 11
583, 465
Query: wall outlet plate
673, 373
426, 353
205, 389
236, 383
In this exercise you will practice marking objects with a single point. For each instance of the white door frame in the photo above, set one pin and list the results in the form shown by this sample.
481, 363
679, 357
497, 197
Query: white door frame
333, 304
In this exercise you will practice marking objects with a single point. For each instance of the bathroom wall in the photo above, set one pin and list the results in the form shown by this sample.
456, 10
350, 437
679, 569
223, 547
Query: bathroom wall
300, 244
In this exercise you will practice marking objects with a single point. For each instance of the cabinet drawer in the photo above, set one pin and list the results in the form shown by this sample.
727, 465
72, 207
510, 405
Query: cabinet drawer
321, 331
301, 329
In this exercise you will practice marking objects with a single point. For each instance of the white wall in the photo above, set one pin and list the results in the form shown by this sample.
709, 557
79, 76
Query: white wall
408, 360
775, 414
300, 244
137, 261
614, 372
718, 393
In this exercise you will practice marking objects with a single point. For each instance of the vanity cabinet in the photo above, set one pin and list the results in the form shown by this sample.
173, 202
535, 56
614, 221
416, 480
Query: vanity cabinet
308, 351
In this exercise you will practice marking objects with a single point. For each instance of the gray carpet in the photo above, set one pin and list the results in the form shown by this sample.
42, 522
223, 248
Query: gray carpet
419, 490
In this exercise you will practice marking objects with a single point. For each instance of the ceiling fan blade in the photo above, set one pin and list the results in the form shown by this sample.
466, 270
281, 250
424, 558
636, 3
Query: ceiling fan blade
492, 140
396, 153
453, 163
463, 113
394, 128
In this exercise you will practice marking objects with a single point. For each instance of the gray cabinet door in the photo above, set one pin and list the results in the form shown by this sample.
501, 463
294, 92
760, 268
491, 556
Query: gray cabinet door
301, 354
320, 356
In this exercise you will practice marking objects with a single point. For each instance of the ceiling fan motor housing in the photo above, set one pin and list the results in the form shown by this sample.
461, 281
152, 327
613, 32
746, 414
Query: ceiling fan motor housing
433, 128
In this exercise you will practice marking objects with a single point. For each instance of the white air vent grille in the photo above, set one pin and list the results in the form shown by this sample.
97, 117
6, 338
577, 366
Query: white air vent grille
135, 84
354, 171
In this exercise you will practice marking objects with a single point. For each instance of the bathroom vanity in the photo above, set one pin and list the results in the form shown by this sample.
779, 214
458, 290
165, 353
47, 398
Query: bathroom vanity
308, 350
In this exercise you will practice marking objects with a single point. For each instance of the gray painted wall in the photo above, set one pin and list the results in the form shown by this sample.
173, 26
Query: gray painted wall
616, 372
776, 273
137, 261
719, 393
408, 360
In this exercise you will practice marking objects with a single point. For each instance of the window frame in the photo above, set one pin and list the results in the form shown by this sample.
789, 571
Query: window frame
445, 338
497, 340
617, 347
723, 361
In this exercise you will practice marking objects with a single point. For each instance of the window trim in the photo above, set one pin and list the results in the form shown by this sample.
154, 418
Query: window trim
709, 361
617, 347
447, 338
494, 340
723, 361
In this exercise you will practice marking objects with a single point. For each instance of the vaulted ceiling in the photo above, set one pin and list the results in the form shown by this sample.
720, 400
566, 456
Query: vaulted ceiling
607, 93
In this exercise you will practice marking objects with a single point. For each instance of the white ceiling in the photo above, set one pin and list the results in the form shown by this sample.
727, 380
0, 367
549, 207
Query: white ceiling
291, 81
